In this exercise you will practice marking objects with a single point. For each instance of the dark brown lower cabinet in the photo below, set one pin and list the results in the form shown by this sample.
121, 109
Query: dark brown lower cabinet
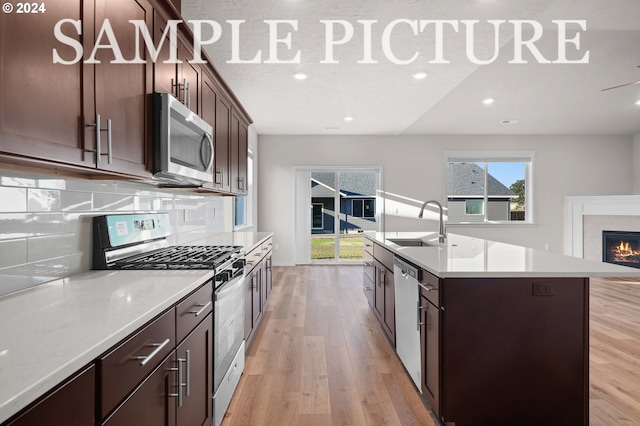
258, 284
71, 404
252, 303
152, 403
384, 299
196, 407
430, 354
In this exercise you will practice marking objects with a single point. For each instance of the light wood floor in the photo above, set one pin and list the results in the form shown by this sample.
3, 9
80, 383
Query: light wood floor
615, 352
320, 357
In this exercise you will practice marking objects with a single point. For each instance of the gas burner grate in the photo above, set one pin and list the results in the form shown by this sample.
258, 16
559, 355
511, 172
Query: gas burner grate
180, 257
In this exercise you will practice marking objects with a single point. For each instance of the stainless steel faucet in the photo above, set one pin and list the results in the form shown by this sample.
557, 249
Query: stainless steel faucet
442, 234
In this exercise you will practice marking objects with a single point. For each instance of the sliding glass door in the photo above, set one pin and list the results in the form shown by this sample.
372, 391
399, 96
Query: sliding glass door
341, 204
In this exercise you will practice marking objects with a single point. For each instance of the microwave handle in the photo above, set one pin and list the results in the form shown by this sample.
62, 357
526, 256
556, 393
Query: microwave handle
206, 161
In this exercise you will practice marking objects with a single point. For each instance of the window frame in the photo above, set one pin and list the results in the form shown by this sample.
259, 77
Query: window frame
526, 157
321, 215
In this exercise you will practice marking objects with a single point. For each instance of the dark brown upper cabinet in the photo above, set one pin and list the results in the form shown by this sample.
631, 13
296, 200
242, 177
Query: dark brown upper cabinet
49, 111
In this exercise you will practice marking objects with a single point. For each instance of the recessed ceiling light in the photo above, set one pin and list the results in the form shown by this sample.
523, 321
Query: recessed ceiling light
509, 121
300, 76
638, 103
488, 101
348, 119
420, 75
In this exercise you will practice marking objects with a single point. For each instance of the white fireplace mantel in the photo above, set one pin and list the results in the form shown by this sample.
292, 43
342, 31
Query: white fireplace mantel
576, 207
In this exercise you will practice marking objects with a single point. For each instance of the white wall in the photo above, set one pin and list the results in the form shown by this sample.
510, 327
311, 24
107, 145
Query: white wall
413, 167
636, 162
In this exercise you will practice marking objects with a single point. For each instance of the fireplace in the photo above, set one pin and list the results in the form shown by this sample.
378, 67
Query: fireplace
621, 248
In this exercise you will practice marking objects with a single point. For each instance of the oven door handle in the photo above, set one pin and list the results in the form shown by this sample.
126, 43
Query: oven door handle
228, 288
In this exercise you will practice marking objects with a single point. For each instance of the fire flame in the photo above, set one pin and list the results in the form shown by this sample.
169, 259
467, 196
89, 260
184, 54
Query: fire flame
624, 250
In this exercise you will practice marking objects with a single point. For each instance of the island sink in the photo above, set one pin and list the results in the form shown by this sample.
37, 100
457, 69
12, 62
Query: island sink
409, 242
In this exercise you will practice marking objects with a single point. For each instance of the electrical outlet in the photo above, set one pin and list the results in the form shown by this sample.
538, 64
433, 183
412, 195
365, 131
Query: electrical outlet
543, 289
276, 247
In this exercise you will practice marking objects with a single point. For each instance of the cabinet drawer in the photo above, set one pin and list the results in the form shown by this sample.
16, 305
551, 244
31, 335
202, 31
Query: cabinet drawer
267, 246
368, 246
127, 364
192, 310
383, 256
368, 266
430, 287
253, 258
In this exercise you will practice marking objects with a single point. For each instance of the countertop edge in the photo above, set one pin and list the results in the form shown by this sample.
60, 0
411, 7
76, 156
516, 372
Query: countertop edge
588, 268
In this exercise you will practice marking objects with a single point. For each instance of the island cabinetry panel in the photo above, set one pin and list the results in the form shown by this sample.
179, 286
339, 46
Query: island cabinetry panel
258, 284
54, 409
368, 277
378, 286
430, 340
94, 118
514, 354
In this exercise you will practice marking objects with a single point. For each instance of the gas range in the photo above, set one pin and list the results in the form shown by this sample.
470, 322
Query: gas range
140, 241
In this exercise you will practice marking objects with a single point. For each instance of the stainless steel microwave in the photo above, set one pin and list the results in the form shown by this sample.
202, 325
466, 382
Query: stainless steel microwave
183, 143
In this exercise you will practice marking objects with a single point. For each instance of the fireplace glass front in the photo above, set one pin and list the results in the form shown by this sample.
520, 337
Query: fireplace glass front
621, 248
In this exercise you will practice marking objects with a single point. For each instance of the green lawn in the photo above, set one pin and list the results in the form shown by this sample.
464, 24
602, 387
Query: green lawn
322, 247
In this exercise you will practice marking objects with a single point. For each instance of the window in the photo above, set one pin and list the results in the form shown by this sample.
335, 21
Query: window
474, 207
243, 205
240, 211
317, 218
489, 187
363, 208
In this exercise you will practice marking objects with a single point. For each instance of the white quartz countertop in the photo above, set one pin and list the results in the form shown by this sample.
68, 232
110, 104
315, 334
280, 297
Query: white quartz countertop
49, 332
465, 257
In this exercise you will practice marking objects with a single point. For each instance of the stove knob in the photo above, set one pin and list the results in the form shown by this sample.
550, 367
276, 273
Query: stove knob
238, 264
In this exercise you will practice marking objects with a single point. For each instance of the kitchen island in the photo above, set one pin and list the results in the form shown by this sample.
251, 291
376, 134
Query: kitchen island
503, 329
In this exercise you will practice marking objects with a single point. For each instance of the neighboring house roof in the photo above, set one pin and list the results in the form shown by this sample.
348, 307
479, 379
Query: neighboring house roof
351, 184
467, 180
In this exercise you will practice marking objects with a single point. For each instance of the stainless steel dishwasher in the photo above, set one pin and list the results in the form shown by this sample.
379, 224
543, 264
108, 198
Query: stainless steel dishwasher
407, 293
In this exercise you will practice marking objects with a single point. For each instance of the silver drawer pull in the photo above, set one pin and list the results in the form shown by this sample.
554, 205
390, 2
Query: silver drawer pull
202, 309
158, 347
427, 287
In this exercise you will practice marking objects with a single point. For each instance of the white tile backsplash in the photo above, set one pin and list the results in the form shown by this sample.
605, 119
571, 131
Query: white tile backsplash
45, 223
13, 199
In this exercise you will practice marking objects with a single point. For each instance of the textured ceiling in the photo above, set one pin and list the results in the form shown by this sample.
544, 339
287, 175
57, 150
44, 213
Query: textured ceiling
384, 99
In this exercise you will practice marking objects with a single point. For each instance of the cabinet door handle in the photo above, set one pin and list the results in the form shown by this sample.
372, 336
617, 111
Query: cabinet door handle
179, 382
187, 93
158, 347
109, 145
218, 173
99, 130
202, 309
188, 372
420, 308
